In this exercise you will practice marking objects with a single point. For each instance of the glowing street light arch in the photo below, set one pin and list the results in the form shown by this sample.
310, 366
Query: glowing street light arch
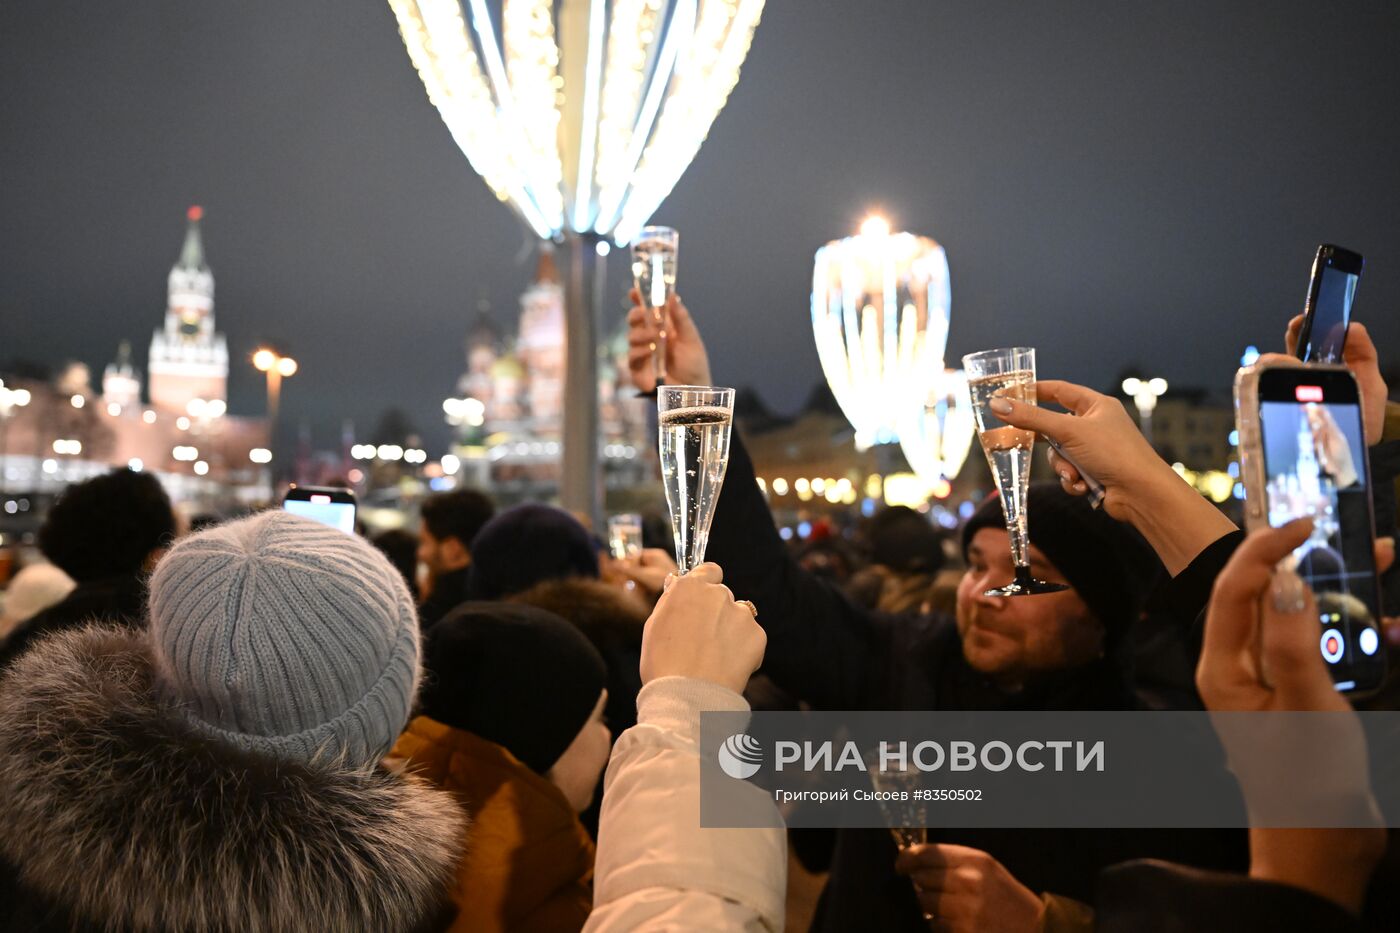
581, 115
881, 304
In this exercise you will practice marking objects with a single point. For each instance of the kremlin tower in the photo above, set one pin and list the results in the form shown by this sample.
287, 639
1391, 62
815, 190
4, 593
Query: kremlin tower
188, 359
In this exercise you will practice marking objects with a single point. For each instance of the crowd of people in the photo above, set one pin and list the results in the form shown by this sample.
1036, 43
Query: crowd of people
269, 724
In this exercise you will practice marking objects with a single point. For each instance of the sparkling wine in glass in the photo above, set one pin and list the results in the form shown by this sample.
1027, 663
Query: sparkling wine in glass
625, 535
1010, 374
654, 272
694, 442
906, 818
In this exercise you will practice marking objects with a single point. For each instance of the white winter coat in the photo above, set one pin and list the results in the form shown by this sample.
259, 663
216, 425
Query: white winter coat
657, 869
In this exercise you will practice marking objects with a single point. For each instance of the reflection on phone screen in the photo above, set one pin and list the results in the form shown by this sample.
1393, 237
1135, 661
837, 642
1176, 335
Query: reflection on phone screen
1335, 292
336, 514
1314, 457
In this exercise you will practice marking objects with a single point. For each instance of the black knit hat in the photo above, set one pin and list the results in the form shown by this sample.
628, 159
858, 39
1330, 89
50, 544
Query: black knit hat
1109, 565
903, 540
526, 545
514, 675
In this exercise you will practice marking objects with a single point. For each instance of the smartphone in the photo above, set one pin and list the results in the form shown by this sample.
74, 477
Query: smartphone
326, 504
1303, 453
1327, 314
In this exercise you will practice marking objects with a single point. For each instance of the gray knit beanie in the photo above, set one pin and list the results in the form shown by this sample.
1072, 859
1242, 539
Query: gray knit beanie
284, 636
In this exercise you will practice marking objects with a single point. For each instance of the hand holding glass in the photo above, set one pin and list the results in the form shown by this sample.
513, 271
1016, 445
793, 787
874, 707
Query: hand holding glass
654, 254
1009, 374
694, 443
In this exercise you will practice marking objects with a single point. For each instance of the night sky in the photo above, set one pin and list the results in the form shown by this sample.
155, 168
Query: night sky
1114, 183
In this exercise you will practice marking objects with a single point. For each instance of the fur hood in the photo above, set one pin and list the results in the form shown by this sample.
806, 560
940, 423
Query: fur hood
597, 608
121, 814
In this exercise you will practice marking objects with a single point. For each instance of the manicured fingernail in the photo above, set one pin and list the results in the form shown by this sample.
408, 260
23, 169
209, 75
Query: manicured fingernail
1081, 486
1001, 406
1289, 594
1064, 477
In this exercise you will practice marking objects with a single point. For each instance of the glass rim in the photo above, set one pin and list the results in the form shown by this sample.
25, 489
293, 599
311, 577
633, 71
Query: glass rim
686, 388
668, 235
998, 352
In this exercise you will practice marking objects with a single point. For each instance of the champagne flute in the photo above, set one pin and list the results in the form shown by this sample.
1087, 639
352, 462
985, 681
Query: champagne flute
625, 535
694, 443
906, 818
654, 254
1008, 373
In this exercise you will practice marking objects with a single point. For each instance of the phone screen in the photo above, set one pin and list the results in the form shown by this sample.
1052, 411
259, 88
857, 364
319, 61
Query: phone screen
1330, 313
323, 509
1315, 466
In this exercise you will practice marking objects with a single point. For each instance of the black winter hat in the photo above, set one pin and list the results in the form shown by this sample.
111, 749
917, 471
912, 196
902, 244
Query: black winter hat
1109, 565
526, 545
903, 540
514, 675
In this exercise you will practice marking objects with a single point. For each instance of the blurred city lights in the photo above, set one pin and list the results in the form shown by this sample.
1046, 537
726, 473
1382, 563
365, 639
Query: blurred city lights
260, 455
450, 464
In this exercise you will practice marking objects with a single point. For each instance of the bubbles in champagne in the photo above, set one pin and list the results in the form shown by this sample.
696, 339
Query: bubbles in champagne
1008, 448
694, 446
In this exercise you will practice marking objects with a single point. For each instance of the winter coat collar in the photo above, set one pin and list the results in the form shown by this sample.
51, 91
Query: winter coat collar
114, 809
597, 608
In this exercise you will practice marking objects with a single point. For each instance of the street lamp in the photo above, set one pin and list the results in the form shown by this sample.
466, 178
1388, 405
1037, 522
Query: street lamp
1144, 393
582, 115
277, 367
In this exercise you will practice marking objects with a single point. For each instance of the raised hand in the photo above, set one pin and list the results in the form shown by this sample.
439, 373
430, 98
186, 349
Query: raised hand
699, 631
686, 360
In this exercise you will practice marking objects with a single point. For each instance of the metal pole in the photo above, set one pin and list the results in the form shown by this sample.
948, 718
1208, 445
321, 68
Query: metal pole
579, 490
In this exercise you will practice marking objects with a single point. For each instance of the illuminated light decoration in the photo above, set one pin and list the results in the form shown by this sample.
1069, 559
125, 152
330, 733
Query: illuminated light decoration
201, 468
114, 409
906, 489
135, 465
881, 303
185, 454
260, 455
78, 401
148, 416
938, 435
582, 114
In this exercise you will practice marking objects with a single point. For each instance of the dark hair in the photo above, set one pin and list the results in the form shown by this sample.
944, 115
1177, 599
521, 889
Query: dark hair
458, 514
108, 525
905, 541
402, 550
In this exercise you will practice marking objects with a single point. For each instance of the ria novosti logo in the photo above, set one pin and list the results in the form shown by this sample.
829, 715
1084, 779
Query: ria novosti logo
740, 756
